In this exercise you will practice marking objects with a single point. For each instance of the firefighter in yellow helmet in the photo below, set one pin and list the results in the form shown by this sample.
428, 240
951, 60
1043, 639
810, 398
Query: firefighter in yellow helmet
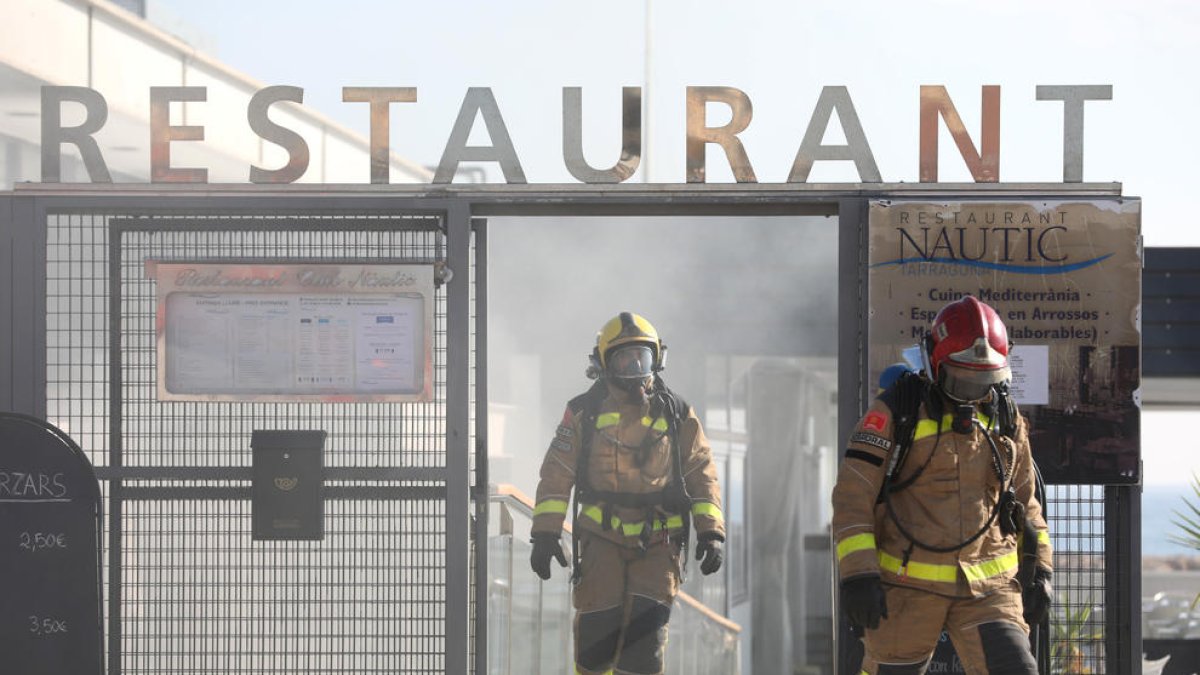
936, 522
640, 467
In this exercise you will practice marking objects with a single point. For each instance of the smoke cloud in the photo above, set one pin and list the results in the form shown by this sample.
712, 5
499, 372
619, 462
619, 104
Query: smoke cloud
753, 286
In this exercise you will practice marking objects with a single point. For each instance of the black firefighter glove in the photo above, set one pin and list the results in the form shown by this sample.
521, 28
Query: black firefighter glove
864, 601
711, 549
1037, 597
545, 547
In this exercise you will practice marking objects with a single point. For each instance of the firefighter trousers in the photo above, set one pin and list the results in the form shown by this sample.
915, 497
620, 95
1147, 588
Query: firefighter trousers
622, 605
989, 634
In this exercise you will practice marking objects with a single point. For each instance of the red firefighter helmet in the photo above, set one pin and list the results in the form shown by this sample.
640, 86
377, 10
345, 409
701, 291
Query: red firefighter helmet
968, 349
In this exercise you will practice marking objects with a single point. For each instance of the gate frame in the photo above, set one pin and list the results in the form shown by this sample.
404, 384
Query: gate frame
115, 472
463, 208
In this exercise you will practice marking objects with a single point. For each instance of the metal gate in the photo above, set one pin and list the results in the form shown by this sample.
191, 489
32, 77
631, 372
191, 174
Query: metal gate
188, 590
392, 587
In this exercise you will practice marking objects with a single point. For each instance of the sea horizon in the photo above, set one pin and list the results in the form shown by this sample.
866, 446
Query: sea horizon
1159, 506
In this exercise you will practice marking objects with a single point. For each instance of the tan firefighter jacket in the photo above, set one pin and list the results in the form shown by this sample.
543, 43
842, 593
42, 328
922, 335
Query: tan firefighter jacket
950, 500
630, 454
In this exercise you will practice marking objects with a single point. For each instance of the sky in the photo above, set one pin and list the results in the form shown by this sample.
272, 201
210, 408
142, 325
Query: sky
780, 54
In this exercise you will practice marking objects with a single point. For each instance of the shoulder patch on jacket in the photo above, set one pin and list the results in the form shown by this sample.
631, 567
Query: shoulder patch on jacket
875, 421
561, 445
871, 439
864, 456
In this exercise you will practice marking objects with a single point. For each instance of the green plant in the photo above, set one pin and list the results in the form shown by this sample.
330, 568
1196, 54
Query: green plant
1074, 638
1188, 522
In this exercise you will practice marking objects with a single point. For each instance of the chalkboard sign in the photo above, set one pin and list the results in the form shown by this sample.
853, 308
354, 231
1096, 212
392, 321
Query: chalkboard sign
50, 621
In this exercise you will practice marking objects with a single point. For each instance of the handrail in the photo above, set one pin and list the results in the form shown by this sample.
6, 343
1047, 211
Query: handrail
517, 498
708, 613
513, 495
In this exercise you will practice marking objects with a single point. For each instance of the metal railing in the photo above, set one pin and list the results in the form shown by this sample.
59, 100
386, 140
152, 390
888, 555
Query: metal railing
530, 621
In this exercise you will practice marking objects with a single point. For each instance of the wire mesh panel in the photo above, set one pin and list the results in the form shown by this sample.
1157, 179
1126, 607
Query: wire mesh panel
77, 340
196, 593
200, 597
77, 330
1076, 516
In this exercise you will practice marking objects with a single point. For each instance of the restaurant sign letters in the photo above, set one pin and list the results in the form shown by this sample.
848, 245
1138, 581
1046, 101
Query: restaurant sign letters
935, 108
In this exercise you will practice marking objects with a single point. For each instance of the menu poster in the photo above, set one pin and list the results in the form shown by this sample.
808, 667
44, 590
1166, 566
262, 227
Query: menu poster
295, 332
1065, 276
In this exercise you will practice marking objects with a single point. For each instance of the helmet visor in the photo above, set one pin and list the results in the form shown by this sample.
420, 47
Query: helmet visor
633, 361
965, 384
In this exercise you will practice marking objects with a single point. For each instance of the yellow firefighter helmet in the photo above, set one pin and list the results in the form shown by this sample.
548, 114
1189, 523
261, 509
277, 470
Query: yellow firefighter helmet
626, 329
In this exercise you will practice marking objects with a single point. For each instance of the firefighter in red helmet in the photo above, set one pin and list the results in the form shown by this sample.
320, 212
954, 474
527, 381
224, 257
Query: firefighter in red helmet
935, 506
641, 470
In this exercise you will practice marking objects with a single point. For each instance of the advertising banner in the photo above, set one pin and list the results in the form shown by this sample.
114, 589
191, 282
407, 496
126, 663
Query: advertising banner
1065, 276
294, 332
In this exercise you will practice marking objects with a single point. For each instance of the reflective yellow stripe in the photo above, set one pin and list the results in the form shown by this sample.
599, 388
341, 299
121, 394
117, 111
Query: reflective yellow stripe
608, 420
859, 542
926, 428
607, 672
992, 568
1043, 537
659, 424
673, 523
628, 529
919, 570
949, 573
550, 506
597, 515
707, 509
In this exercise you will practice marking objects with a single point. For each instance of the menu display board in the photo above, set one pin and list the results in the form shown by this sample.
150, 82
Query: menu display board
50, 621
306, 332
1065, 276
